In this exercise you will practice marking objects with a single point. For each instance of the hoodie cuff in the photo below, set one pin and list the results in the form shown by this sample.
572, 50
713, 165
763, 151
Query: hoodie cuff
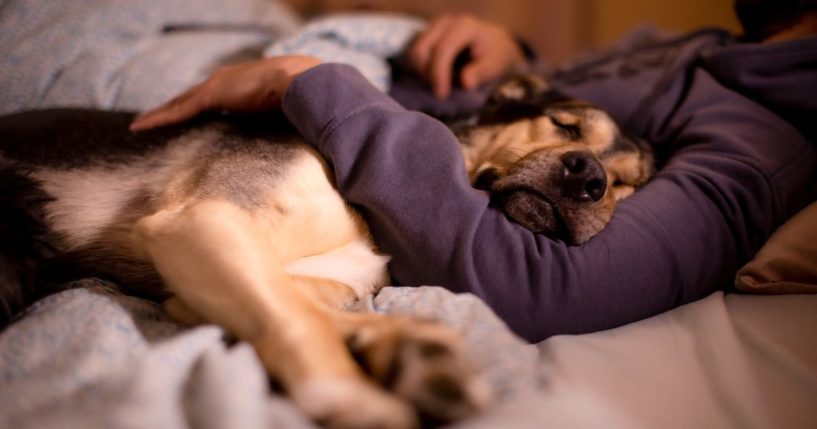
321, 98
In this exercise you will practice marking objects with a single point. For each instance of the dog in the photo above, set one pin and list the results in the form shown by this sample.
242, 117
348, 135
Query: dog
235, 221
555, 165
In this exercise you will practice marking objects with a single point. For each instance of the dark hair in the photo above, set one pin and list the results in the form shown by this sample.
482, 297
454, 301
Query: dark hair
24, 243
763, 18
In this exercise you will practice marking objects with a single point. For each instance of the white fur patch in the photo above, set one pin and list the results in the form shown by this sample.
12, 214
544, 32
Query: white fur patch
355, 265
87, 201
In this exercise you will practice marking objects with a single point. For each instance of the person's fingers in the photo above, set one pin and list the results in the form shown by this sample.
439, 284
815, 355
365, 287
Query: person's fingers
480, 70
247, 87
470, 77
492, 57
163, 116
423, 45
179, 109
446, 50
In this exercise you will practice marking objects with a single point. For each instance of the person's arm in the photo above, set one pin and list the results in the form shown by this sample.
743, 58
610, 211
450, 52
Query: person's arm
735, 174
676, 240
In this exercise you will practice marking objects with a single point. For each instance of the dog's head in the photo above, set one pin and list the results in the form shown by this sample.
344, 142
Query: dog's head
555, 165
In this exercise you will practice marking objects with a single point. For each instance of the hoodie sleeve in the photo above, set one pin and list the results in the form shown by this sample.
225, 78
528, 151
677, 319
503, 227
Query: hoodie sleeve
674, 241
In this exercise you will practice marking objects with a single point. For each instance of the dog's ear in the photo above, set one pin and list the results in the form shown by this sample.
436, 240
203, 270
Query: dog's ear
521, 88
519, 97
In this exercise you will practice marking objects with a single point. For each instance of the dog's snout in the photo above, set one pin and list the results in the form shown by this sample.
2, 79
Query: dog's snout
584, 179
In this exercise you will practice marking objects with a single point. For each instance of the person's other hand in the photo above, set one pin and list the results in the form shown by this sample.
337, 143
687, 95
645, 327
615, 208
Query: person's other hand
493, 52
249, 87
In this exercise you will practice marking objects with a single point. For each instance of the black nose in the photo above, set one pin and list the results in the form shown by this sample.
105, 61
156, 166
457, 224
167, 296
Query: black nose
583, 178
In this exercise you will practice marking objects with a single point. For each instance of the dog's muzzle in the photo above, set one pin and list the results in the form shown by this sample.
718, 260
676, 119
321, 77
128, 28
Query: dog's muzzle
543, 193
533, 211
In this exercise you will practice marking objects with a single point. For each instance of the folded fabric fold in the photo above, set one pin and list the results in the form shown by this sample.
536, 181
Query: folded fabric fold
365, 40
787, 263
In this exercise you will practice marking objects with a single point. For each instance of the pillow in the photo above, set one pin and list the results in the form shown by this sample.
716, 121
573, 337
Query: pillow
787, 263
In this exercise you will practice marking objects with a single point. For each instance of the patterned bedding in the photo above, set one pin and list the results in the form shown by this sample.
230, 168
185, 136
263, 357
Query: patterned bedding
90, 357
132, 55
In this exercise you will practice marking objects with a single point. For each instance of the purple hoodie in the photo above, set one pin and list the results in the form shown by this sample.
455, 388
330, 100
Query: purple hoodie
723, 116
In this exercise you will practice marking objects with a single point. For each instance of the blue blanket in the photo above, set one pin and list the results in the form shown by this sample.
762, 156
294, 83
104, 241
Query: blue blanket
136, 54
91, 357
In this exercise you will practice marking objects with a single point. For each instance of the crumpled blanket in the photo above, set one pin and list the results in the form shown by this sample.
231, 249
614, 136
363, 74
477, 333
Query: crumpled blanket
136, 54
91, 357
124, 54
363, 40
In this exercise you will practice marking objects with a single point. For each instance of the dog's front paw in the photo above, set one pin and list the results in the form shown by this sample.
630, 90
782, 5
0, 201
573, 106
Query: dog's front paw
353, 404
421, 362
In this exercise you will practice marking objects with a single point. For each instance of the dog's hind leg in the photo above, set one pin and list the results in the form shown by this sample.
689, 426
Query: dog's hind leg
218, 260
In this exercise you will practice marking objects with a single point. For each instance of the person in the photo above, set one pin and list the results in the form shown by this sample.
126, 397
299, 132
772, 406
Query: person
729, 118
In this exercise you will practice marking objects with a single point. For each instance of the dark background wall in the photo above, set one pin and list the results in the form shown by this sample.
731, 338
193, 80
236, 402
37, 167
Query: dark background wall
559, 29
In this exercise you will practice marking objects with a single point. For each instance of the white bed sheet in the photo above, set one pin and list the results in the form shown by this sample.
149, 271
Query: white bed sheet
727, 361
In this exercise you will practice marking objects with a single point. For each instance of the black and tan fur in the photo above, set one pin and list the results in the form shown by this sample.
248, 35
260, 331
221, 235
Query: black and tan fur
238, 224
555, 165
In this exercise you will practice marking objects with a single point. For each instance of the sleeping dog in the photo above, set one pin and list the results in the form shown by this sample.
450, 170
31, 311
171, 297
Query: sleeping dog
236, 222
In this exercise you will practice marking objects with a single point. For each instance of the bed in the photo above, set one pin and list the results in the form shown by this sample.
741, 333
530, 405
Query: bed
92, 357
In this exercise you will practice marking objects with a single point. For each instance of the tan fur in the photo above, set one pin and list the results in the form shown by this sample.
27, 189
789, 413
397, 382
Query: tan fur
253, 236
219, 261
503, 147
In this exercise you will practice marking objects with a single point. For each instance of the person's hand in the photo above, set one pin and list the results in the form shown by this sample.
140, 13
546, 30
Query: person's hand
249, 87
493, 50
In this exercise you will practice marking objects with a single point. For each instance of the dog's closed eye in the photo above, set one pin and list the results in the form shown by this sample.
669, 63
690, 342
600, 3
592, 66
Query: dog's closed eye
572, 131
